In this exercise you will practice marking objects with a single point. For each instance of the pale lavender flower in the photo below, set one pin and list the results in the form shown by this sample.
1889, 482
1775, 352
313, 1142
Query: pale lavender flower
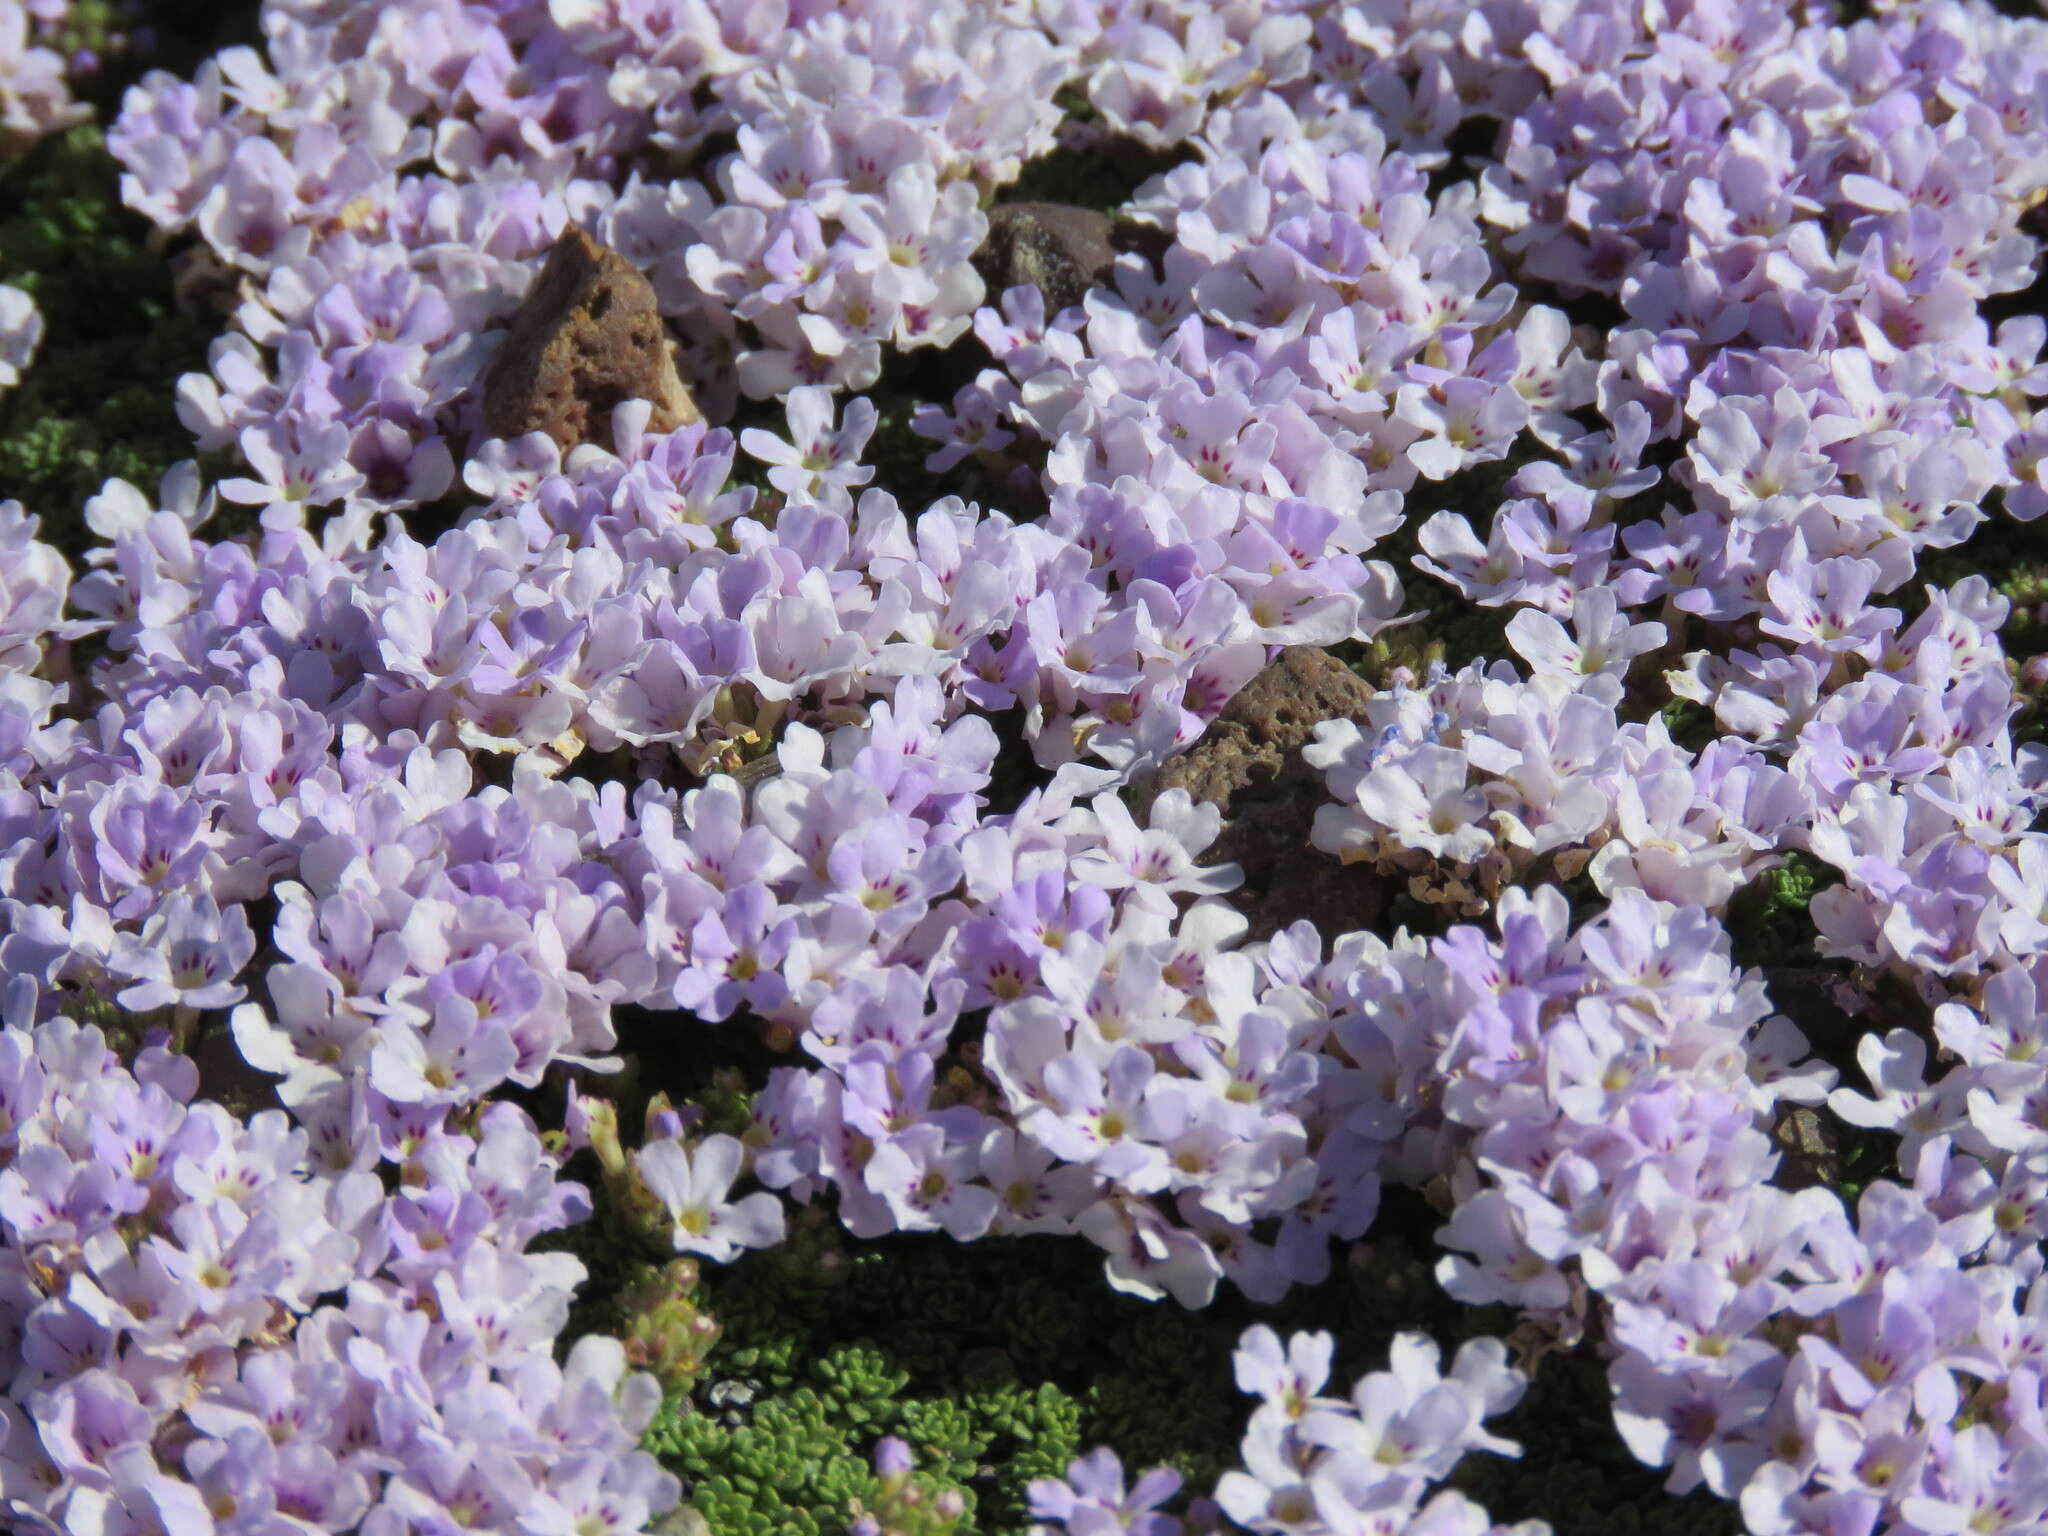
692, 1185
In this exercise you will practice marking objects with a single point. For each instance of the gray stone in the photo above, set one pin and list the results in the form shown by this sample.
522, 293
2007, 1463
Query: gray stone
1063, 251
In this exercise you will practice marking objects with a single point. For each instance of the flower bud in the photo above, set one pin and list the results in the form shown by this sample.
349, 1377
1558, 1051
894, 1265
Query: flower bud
664, 1121
892, 1457
597, 1126
665, 1331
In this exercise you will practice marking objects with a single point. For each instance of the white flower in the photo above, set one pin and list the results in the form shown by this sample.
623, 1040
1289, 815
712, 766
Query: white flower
1670, 844
21, 327
1423, 803
1606, 642
693, 1189
1160, 858
815, 455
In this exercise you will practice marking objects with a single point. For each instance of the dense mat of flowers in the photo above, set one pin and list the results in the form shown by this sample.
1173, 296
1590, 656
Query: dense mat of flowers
367, 759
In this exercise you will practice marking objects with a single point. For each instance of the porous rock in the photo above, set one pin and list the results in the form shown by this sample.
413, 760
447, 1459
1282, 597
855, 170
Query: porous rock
1249, 763
587, 337
1061, 250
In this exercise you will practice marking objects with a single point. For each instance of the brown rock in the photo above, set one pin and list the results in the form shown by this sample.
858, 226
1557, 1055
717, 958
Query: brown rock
756, 771
1249, 762
1062, 250
588, 336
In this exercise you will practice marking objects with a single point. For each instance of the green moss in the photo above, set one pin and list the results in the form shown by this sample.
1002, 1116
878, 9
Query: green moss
898, 454
1769, 923
613, 1264
2026, 586
1691, 725
97, 401
129, 39
1001, 1360
1792, 883
898, 451
794, 1468
977, 1355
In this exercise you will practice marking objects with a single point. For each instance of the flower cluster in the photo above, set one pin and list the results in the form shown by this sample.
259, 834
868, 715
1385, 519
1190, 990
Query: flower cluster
852, 205
384, 192
389, 188
1317, 1464
1558, 774
1091, 1499
212, 1331
33, 97
904, 1506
